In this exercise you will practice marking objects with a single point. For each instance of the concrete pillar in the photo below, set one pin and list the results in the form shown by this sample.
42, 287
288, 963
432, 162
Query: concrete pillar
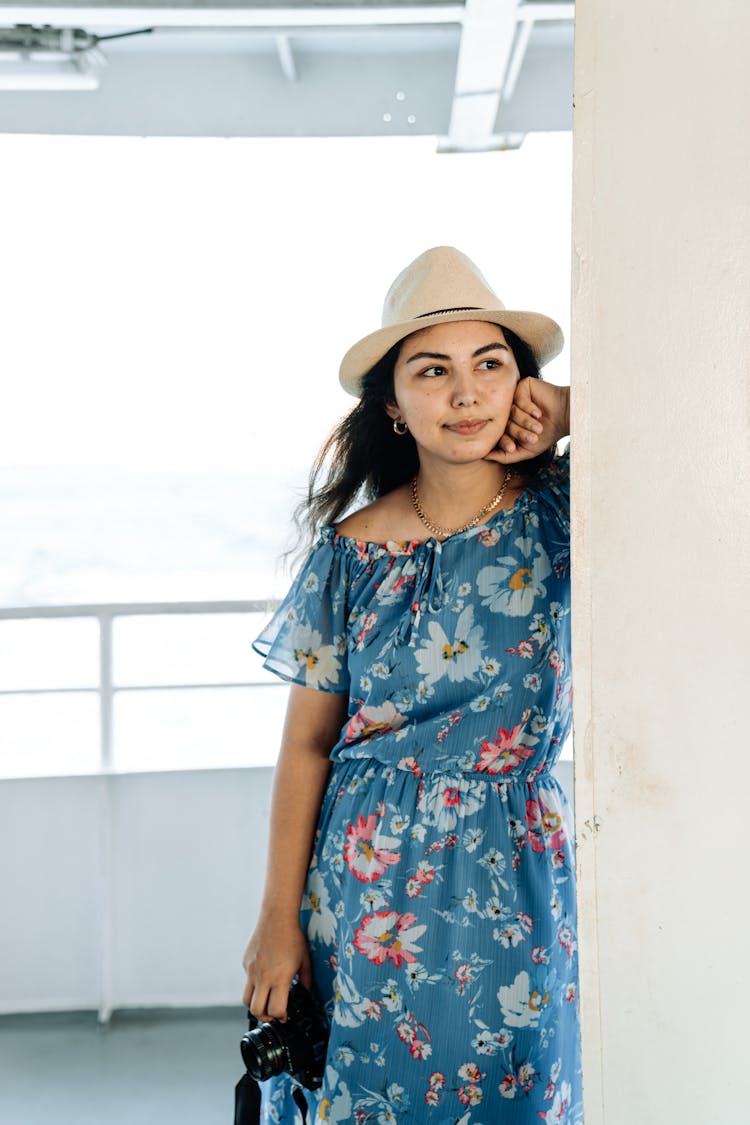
661, 377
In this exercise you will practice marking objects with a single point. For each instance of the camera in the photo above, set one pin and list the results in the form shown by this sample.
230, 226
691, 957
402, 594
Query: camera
297, 1046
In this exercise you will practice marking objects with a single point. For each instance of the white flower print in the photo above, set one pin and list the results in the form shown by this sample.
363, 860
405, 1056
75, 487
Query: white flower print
539, 629
371, 721
396, 583
458, 659
481, 703
337, 1107
521, 1004
322, 924
449, 799
511, 586
320, 663
557, 611
558, 1112
424, 691
472, 839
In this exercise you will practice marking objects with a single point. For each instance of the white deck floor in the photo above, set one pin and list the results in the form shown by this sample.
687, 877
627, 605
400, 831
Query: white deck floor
144, 1069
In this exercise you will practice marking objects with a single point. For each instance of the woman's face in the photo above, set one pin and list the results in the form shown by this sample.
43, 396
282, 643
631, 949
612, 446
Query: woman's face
454, 386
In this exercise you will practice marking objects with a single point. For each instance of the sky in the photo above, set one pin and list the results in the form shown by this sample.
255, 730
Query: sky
184, 303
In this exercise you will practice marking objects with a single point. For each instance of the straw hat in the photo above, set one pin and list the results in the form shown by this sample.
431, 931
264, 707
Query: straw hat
440, 286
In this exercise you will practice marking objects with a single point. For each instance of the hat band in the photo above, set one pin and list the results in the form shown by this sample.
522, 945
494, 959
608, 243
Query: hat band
461, 308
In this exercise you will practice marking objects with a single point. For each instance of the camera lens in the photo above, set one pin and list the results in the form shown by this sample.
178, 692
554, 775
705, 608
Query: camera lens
263, 1053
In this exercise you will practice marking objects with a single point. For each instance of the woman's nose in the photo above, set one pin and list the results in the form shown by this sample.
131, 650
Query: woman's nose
464, 389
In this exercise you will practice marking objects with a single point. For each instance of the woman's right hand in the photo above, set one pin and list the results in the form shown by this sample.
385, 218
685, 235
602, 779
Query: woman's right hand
275, 954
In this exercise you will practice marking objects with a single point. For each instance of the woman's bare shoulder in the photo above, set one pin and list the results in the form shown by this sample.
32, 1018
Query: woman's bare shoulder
387, 518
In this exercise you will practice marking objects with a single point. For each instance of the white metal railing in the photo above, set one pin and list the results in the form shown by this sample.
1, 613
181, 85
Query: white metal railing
105, 615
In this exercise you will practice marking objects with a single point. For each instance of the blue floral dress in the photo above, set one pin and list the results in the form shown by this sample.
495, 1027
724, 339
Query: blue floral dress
440, 899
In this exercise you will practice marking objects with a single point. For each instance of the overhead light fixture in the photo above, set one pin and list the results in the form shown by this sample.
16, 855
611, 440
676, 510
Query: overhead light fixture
53, 58
48, 58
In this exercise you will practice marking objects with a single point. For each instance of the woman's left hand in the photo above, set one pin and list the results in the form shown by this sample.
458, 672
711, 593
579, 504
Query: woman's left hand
539, 417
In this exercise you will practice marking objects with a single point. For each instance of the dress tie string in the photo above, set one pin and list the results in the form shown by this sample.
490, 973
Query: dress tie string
428, 592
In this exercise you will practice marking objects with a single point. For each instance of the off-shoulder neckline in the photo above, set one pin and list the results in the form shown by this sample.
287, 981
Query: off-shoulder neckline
410, 546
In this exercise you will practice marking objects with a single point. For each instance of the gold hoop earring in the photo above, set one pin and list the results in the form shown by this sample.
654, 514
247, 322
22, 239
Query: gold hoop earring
400, 428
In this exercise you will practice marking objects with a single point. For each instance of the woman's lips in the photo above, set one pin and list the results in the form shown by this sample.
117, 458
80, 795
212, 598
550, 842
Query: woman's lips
471, 426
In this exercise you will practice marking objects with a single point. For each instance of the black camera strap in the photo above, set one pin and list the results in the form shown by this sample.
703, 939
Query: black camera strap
299, 1096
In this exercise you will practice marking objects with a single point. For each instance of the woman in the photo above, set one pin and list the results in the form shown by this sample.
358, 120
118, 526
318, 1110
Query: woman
421, 868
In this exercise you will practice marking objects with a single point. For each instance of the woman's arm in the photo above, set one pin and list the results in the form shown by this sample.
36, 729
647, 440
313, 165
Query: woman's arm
539, 418
277, 949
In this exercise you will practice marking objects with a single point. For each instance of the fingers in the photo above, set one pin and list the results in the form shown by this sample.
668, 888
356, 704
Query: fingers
267, 997
269, 978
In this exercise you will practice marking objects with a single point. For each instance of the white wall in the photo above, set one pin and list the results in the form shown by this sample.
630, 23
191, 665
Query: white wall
661, 366
139, 890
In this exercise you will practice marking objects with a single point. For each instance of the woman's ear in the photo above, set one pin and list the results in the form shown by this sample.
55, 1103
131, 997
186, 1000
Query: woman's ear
392, 410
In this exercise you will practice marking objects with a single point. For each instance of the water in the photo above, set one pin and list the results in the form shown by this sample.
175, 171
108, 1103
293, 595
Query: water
71, 536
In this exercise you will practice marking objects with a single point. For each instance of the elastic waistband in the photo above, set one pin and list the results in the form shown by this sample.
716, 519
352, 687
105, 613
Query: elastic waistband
420, 770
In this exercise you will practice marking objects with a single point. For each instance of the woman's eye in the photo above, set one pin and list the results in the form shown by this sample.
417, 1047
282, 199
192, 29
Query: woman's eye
431, 372
490, 364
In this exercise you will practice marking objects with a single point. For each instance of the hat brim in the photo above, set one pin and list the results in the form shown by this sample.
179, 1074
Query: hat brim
543, 335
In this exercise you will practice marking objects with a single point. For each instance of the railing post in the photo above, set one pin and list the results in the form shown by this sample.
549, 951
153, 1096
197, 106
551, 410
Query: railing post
106, 690
106, 826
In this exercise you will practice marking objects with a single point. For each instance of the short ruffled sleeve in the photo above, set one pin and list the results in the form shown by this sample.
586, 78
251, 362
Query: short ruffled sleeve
554, 488
305, 640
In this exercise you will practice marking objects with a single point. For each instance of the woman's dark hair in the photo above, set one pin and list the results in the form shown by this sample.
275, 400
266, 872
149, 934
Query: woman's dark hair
363, 458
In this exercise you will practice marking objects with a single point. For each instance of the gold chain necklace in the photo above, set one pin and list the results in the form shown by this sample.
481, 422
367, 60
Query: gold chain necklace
445, 532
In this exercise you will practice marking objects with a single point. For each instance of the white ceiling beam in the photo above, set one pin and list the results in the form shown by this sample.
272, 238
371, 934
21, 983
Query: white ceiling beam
286, 57
537, 13
187, 15
489, 29
525, 27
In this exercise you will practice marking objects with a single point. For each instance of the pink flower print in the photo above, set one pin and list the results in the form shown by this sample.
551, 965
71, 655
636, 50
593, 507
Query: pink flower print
508, 1086
557, 1114
389, 936
370, 721
368, 625
571, 992
470, 1095
419, 1049
373, 1010
470, 1072
545, 826
506, 751
525, 649
424, 875
489, 537
555, 661
432, 1097
526, 922
539, 955
525, 1076
437, 1080
367, 852
465, 975
412, 765
567, 940
406, 1032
